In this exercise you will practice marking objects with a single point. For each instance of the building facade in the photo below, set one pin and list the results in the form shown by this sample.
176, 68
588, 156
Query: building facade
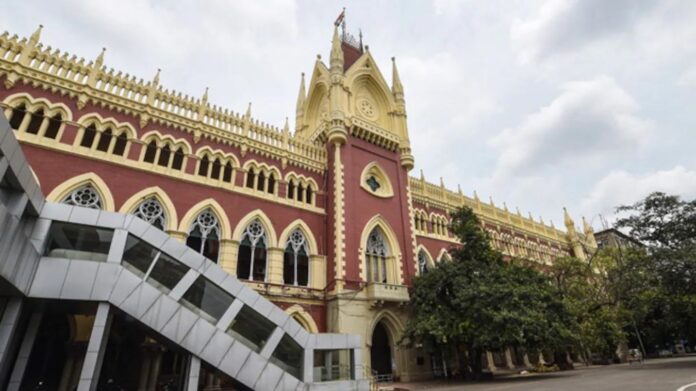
324, 221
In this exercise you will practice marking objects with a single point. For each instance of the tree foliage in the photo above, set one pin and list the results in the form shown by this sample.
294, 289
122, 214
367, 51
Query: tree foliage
666, 224
482, 302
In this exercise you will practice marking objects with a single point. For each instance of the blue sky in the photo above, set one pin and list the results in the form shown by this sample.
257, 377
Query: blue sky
538, 103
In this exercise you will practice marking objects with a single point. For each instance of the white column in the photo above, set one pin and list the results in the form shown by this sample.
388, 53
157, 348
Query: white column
89, 376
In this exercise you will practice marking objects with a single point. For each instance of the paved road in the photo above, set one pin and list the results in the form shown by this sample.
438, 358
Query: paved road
653, 375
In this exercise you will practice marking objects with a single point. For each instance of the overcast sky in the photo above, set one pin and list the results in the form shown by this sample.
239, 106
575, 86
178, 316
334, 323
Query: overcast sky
538, 103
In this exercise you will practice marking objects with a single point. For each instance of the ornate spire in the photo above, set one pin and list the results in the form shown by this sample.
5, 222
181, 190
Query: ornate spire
156, 79
100, 60
336, 60
248, 112
397, 87
586, 227
204, 100
422, 176
34, 38
301, 95
567, 220
286, 133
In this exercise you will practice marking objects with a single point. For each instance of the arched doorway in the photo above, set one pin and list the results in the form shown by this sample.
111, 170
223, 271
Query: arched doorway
380, 352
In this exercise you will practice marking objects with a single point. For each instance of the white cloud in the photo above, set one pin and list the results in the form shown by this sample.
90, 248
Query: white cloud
622, 188
461, 101
688, 78
568, 25
588, 121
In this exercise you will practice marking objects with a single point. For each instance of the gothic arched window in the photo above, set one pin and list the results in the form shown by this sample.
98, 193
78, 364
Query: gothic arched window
36, 121
296, 260
376, 256
88, 136
150, 152
178, 160
422, 262
84, 196
104, 140
251, 263
250, 178
204, 235
164, 156
17, 116
152, 212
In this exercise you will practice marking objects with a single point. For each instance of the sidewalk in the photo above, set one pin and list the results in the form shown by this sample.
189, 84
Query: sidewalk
443, 383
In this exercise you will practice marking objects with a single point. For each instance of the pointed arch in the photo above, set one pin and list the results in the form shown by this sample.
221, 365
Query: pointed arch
394, 267
160, 137
61, 191
429, 258
302, 317
265, 221
206, 149
374, 175
309, 236
154, 191
390, 321
23, 97
444, 254
201, 206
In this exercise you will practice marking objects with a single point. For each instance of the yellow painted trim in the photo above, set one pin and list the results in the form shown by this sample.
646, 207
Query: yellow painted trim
386, 189
25, 97
217, 153
168, 172
154, 191
394, 258
429, 258
197, 209
443, 253
61, 191
282, 240
160, 137
265, 221
391, 322
303, 318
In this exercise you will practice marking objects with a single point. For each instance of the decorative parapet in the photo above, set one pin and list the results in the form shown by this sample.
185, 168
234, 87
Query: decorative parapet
29, 61
440, 197
379, 293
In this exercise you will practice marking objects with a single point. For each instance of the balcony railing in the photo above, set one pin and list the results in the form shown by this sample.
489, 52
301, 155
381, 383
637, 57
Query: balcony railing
381, 293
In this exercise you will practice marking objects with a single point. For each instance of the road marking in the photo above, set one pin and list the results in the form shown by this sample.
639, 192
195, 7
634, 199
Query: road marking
682, 388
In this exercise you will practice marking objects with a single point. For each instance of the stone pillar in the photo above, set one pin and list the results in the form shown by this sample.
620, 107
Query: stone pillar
9, 325
317, 271
490, 362
229, 250
25, 351
89, 376
508, 359
194, 371
274, 265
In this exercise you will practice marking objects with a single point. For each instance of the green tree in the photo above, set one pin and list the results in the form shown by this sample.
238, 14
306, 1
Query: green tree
666, 224
478, 302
